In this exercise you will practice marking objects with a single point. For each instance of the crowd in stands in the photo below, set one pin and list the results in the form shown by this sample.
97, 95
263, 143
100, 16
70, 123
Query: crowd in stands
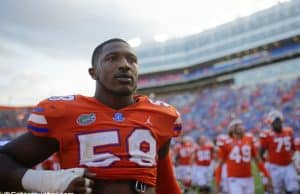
13, 121
209, 111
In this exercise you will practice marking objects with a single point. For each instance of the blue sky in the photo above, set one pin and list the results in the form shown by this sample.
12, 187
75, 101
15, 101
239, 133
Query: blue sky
46, 46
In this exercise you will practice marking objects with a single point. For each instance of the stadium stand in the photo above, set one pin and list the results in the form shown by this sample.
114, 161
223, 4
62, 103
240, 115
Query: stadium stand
217, 69
208, 111
13, 121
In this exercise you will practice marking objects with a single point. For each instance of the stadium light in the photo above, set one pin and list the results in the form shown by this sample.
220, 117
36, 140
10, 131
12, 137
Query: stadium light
161, 37
135, 42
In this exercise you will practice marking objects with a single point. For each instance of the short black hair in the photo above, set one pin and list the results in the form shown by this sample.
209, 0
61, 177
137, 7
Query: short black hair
98, 49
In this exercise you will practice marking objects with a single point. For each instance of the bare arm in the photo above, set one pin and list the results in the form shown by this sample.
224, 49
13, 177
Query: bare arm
218, 173
164, 151
262, 152
19, 155
166, 180
263, 170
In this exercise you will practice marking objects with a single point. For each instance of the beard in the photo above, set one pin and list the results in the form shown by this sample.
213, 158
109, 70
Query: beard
125, 92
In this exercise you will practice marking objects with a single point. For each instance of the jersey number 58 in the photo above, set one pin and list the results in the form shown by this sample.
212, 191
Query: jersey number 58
141, 147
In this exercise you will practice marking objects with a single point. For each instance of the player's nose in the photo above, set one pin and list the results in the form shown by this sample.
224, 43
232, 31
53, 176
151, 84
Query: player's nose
123, 63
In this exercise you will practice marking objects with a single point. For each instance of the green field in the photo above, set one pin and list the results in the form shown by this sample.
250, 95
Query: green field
257, 180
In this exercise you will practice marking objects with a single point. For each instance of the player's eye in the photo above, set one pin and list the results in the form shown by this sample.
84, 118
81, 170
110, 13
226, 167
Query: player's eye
112, 58
131, 59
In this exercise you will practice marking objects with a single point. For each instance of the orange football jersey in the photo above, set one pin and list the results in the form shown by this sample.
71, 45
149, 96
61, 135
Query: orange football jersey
237, 153
204, 155
184, 154
221, 139
115, 144
280, 146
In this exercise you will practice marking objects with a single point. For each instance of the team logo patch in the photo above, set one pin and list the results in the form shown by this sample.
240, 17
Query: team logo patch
86, 119
118, 117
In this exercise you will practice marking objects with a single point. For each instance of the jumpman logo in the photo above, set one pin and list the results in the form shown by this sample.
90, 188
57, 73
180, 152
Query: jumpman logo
148, 121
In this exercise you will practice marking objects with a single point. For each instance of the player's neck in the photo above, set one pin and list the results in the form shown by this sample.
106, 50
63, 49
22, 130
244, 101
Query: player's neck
279, 130
238, 136
115, 102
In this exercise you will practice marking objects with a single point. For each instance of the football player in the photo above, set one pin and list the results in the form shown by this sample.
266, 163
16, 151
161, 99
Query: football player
201, 170
113, 142
278, 142
237, 152
183, 160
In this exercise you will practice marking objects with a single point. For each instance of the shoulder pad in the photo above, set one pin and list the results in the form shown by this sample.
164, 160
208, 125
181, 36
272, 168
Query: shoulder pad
54, 106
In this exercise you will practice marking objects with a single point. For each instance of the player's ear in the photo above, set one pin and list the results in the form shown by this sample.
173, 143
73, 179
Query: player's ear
92, 72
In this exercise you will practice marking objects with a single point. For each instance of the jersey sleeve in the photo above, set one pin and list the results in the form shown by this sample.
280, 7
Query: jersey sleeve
263, 136
177, 125
45, 118
291, 133
222, 153
220, 142
169, 121
168, 124
254, 150
168, 118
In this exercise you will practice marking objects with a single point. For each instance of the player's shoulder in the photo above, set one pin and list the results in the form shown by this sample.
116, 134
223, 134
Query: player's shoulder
250, 138
265, 133
228, 140
209, 145
159, 106
249, 135
221, 139
56, 106
222, 136
288, 130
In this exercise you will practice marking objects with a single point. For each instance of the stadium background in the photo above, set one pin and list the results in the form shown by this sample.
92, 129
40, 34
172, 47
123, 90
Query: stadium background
241, 69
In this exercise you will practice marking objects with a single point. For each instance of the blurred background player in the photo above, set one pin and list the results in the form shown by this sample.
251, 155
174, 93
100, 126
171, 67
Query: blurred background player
220, 142
279, 144
237, 153
183, 161
201, 170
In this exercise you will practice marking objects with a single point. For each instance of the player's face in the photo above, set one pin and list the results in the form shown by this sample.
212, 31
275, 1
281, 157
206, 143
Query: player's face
277, 125
117, 69
239, 129
201, 140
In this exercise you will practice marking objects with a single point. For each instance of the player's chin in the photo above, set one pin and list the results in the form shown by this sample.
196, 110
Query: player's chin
125, 91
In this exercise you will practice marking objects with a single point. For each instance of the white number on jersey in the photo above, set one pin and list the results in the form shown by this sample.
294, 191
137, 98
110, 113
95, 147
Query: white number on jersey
243, 154
159, 102
203, 155
62, 98
137, 139
185, 152
283, 142
141, 148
